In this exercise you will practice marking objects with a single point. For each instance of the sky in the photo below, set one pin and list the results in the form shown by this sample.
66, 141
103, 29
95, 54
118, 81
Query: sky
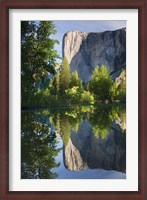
63, 26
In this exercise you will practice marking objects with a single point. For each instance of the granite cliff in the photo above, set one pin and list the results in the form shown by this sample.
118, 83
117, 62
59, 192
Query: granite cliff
85, 51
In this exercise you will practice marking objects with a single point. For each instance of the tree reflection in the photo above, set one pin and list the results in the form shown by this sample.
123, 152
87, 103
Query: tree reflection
101, 116
38, 148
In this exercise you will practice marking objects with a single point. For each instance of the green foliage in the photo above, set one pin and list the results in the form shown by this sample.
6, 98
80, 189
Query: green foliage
122, 91
120, 118
75, 81
100, 133
56, 83
114, 91
75, 118
102, 117
87, 86
64, 76
87, 97
101, 83
118, 90
65, 129
41, 97
37, 56
73, 94
101, 120
61, 123
38, 148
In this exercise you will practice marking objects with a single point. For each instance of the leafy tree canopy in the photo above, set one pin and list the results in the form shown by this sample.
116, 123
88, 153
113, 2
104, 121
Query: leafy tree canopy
75, 81
38, 56
101, 83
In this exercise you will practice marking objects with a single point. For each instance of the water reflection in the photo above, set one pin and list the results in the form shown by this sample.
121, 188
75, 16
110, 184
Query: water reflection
38, 147
93, 138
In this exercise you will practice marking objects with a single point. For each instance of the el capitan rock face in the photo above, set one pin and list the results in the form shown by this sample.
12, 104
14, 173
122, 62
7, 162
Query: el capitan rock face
85, 51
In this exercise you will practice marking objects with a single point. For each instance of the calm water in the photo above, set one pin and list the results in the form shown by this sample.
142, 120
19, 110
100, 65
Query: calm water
80, 142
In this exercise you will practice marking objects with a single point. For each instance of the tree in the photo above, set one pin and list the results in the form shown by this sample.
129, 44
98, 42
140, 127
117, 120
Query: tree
118, 89
56, 83
114, 91
75, 81
37, 55
101, 83
64, 76
87, 97
73, 94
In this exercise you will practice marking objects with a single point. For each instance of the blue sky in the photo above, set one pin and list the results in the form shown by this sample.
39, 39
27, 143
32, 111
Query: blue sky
63, 26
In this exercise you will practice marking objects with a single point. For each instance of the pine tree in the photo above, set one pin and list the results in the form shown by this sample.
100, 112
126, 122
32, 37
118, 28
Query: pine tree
75, 81
64, 76
56, 83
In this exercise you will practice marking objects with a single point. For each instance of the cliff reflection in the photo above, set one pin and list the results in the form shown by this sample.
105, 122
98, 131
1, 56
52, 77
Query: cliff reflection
99, 141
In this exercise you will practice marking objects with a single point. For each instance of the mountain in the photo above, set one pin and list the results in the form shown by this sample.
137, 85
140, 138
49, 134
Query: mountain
84, 51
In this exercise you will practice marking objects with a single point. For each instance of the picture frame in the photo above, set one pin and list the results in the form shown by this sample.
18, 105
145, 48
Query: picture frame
6, 5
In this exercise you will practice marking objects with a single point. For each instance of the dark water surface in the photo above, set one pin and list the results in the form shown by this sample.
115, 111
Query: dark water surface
79, 142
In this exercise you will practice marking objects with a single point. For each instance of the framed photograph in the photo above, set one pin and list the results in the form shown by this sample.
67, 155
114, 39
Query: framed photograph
73, 99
